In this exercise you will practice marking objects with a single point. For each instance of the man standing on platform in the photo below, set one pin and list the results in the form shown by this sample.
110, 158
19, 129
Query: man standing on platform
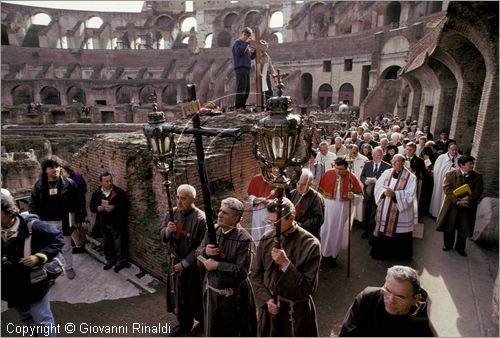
183, 236
309, 205
338, 187
285, 279
459, 209
242, 56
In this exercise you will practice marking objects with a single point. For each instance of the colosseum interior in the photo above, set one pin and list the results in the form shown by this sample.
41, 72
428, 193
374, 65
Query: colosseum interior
79, 84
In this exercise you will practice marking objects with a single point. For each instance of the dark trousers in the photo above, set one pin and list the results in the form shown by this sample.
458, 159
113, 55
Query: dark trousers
449, 239
191, 299
113, 243
242, 87
369, 213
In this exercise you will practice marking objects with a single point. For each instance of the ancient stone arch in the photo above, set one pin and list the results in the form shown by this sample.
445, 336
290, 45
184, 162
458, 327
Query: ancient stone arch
229, 20
75, 94
390, 73
393, 14
325, 93
253, 19
145, 94
346, 94
50, 95
224, 39
22, 94
169, 95
123, 95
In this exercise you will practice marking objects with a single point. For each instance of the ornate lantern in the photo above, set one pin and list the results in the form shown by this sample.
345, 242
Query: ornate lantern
276, 137
160, 140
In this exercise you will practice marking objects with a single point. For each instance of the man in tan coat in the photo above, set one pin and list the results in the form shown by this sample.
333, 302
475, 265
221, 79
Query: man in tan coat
459, 212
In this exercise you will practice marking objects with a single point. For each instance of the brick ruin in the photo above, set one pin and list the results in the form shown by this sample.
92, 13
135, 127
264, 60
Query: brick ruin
435, 62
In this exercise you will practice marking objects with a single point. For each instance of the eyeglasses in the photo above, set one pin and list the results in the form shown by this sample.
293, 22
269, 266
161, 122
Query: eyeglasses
398, 298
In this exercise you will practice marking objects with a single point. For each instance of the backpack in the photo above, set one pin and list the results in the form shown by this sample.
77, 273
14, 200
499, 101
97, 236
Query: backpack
49, 270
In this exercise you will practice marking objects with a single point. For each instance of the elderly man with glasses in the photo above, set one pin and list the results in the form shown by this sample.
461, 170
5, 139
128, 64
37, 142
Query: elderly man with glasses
397, 309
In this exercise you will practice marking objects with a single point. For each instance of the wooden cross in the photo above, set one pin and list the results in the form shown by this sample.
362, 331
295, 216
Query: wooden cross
260, 47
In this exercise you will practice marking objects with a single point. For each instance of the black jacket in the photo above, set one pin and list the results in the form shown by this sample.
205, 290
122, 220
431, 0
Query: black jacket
69, 198
367, 318
118, 198
16, 285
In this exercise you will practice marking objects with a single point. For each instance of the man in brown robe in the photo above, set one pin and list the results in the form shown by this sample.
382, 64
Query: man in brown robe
228, 302
285, 279
309, 204
182, 237
459, 212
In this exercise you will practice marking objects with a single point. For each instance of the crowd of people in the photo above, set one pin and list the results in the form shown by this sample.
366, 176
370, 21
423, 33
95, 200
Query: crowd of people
250, 281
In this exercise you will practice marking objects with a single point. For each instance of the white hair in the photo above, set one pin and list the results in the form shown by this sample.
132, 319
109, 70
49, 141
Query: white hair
307, 173
187, 188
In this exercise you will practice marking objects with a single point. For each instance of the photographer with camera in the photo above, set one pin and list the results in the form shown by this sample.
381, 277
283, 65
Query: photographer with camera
29, 298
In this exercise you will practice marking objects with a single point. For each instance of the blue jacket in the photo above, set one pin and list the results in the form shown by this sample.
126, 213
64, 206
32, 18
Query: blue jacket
240, 58
16, 285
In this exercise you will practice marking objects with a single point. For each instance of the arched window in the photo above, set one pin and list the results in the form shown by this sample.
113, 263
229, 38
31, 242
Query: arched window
346, 94
145, 94
392, 14
325, 96
123, 95
5, 36
41, 19
224, 39
390, 73
169, 95
94, 22
276, 20
277, 37
22, 95
76, 95
50, 95
208, 40
229, 20
253, 19
188, 23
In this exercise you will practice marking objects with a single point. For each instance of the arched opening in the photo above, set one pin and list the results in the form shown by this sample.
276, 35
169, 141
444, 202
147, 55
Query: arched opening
123, 95
276, 20
169, 95
165, 23
346, 94
325, 96
50, 95
253, 19
392, 14
276, 38
22, 95
145, 94
5, 36
94, 22
318, 18
208, 40
224, 39
390, 73
188, 23
76, 95
41, 19
229, 20
306, 86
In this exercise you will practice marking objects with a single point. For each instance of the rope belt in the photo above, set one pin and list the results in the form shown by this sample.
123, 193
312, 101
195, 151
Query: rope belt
224, 292
291, 311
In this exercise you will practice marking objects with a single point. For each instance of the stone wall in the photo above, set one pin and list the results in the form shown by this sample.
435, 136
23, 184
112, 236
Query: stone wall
230, 165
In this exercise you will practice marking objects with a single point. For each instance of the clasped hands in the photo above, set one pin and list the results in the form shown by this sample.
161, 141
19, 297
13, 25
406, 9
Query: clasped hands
211, 264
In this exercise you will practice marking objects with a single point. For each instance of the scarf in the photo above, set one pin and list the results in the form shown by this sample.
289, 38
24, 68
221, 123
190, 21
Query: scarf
392, 212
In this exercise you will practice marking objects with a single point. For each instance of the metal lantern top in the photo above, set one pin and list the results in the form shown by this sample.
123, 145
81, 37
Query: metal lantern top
160, 140
278, 133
